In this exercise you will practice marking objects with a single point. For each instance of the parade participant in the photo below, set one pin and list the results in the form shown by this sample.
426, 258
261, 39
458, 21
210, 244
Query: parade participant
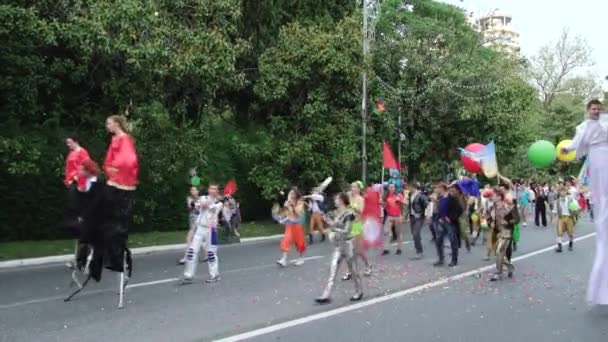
565, 223
316, 206
340, 226
540, 208
356, 204
291, 215
210, 208
191, 200
449, 212
371, 217
73, 163
591, 140
506, 216
121, 168
491, 234
463, 220
393, 203
524, 202
416, 211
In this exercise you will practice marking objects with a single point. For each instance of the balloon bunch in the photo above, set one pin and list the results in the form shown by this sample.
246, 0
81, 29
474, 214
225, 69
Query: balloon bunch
543, 153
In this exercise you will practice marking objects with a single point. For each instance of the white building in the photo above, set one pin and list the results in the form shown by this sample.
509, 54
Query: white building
498, 31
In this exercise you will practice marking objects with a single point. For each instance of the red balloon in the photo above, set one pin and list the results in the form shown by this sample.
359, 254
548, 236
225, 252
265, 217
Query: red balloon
469, 164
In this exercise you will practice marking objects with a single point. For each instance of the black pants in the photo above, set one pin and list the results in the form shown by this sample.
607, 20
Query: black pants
540, 215
116, 227
433, 225
448, 230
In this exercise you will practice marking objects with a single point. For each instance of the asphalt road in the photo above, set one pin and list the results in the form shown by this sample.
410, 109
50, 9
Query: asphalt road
256, 300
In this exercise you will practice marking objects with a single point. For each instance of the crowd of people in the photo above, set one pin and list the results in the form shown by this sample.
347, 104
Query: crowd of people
365, 218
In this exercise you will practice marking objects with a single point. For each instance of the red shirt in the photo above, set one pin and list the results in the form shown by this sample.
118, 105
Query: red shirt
72, 165
371, 205
394, 202
122, 156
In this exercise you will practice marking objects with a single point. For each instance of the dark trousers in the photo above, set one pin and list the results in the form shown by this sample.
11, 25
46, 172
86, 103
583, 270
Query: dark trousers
116, 230
433, 225
416, 224
540, 215
448, 230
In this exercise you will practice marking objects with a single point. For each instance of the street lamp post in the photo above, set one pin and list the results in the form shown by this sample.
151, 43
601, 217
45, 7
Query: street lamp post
370, 16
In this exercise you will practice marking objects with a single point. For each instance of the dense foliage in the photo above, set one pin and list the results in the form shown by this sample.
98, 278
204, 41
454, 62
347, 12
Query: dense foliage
265, 91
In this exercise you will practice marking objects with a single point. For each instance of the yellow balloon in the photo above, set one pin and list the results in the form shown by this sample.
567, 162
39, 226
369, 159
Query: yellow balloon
566, 157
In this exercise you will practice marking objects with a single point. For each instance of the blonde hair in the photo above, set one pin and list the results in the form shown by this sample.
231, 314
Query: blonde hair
121, 121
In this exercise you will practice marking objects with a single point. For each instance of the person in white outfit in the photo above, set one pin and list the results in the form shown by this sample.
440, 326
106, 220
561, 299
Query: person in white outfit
210, 207
591, 140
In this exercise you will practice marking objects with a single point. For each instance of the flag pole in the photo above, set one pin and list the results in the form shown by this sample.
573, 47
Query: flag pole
383, 175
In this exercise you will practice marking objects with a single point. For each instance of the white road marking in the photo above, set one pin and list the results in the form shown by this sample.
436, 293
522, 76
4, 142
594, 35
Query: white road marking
307, 319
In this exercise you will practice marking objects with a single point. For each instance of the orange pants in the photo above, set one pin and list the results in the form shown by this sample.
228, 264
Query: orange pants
316, 221
294, 234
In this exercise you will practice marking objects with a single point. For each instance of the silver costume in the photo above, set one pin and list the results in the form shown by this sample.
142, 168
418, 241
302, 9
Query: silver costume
340, 228
207, 234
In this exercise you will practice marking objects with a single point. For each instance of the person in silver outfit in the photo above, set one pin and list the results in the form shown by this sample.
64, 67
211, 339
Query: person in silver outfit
340, 226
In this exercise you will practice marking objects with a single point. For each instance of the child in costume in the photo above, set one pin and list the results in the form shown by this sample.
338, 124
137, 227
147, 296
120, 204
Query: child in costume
506, 216
292, 216
356, 204
565, 222
210, 207
341, 225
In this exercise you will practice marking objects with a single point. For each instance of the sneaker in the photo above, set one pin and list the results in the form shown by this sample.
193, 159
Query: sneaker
510, 274
570, 246
181, 261
368, 272
398, 252
310, 239
356, 297
559, 248
417, 257
213, 280
236, 232
347, 276
322, 300
439, 264
385, 252
185, 281
322, 237
496, 277
453, 264
298, 262
282, 262
486, 258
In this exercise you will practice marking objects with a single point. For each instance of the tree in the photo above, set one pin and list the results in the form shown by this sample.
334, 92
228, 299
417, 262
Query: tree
434, 71
555, 62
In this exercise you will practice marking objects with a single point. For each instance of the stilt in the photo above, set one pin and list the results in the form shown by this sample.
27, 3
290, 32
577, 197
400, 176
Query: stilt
79, 289
123, 281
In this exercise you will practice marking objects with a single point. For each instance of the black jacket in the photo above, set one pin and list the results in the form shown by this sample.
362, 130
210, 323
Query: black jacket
419, 205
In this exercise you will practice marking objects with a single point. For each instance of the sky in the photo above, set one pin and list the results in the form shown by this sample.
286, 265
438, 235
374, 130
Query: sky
541, 21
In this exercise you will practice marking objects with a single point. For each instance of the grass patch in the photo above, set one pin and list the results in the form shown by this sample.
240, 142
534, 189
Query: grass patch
33, 249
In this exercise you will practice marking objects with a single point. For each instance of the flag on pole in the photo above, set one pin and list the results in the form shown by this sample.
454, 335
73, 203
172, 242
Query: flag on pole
388, 158
379, 107
488, 161
230, 187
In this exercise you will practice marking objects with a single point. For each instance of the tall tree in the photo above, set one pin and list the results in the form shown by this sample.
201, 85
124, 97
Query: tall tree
555, 62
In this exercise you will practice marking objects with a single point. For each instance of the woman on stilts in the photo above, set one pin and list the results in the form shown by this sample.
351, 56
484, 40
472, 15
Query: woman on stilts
121, 168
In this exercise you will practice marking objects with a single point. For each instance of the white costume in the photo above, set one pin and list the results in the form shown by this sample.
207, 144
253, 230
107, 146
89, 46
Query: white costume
207, 234
591, 140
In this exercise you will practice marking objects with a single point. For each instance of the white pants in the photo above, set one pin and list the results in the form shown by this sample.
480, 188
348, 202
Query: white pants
597, 292
208, 238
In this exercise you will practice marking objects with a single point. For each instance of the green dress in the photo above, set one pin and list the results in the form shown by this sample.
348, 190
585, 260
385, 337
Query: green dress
357, 228
516, 233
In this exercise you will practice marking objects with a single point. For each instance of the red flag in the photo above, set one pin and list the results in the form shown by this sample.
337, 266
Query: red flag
230, 188
388, 159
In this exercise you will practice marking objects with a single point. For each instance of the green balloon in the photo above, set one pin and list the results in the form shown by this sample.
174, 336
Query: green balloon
196, 181
542, 153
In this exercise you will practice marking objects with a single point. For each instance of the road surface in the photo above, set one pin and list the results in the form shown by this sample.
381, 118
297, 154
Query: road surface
257, 301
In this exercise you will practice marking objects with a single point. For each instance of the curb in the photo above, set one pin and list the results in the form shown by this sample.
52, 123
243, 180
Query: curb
135, 251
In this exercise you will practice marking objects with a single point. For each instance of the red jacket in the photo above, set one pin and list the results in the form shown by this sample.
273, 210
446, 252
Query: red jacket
72, 165
122, 157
